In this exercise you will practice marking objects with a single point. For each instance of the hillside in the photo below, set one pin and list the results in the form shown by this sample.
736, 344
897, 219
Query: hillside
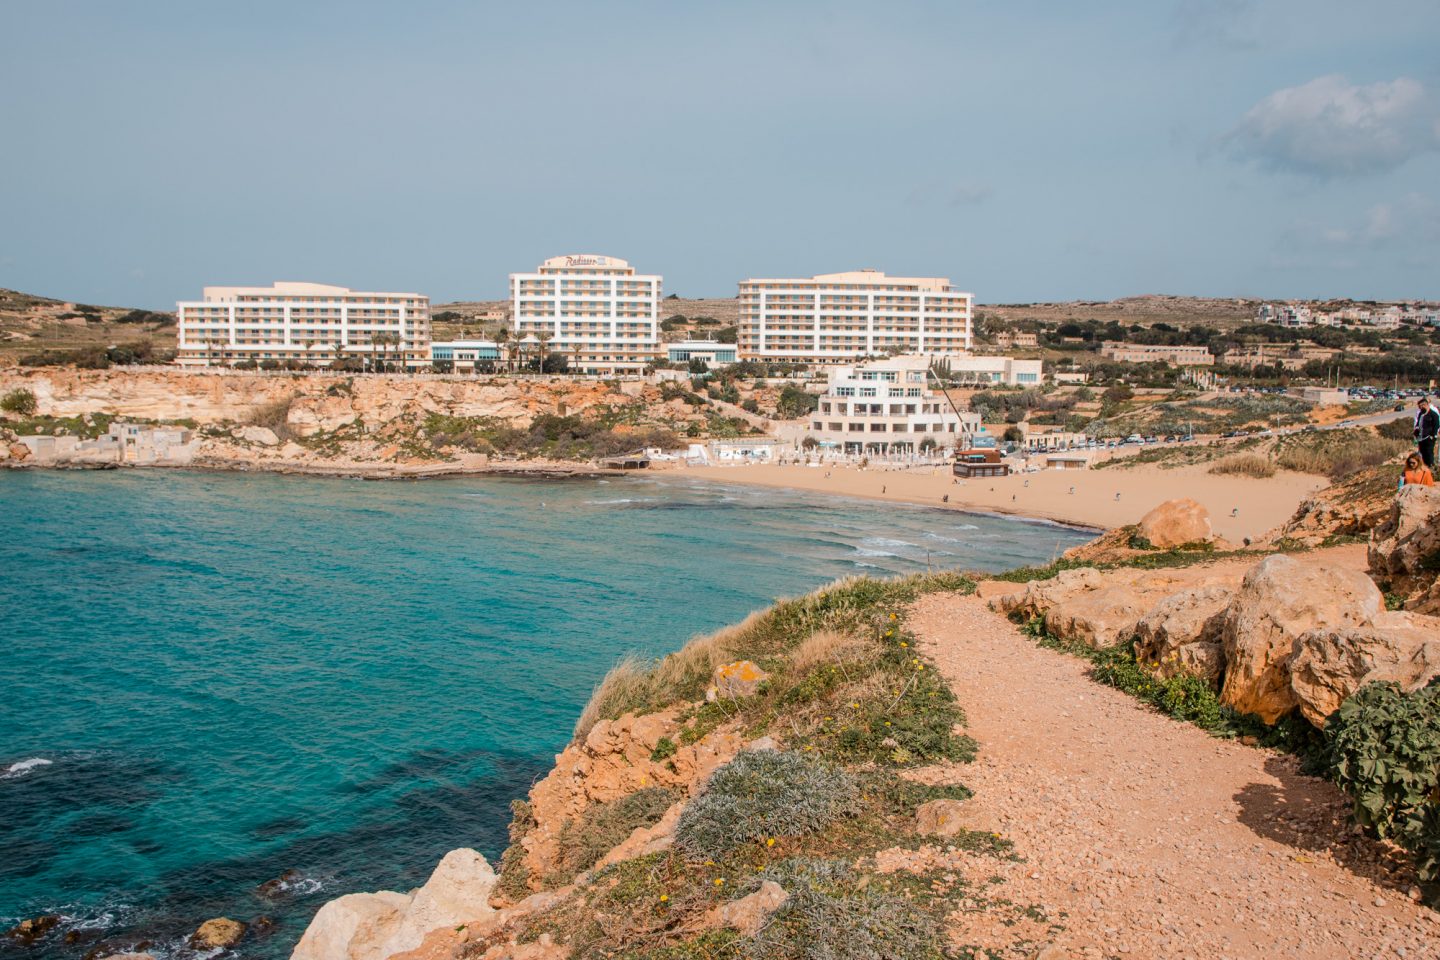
29, 324
1144, 310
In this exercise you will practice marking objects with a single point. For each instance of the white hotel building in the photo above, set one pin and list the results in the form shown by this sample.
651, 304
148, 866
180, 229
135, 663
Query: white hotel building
839, 317
310, 322
887, 407
597, 311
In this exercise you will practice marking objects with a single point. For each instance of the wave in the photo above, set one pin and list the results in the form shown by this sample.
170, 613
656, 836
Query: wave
21, 767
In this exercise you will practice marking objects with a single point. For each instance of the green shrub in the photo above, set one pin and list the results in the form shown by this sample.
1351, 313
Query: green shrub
762, 794
833, 913
584, 840
20, 401
1385, 753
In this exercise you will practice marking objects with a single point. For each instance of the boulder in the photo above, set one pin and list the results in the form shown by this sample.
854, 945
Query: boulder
749, 913
18, 451
458, 891
940, 818
1181, 635
1280, 599
1330, 665
261, 435
739, 679
281, 885
222, 933
373, 926
351, 927
1176, 523
28, 931
131, 946
1405, 550
1409, 536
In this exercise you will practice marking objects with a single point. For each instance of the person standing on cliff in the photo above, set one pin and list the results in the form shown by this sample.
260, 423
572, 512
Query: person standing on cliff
1427, 428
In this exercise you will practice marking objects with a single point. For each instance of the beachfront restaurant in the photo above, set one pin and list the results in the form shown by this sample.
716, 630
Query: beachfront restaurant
745, 450
463, 356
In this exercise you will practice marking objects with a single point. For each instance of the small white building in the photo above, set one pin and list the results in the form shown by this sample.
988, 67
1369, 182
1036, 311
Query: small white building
464, 355
745, 450
888, 407
1006, 370
714, 355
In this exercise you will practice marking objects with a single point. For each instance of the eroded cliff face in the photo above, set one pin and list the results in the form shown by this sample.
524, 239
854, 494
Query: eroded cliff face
319, 403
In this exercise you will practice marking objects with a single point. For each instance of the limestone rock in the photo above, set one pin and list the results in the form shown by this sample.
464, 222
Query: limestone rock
18, 451
1176, 523
261, 435
1404, 549
280, 886
351, 927
739, 679
940, 818
749, 913
1330, 665
1280, 599
458, 891
612, 761
28, 931
642, 841
222, 933
1182, 634
128, 946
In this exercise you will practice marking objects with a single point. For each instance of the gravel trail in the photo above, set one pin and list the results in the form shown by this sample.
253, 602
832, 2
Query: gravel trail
1145, 837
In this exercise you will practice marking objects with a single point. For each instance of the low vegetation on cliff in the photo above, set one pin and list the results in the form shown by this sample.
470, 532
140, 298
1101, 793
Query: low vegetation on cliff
780, 851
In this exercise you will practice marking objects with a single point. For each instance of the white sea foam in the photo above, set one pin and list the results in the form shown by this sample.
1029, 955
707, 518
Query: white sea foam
22, 767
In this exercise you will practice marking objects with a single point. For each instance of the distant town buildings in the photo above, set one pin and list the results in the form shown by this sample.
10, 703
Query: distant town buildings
841, 317
888, 407
312, 323
1383, 317
1017, 340
594, 310
1181, 356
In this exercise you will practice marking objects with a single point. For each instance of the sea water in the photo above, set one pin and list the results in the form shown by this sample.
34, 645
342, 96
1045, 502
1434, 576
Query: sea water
212, 679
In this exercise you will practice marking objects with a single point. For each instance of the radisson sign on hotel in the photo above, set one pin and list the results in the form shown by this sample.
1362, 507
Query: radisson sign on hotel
587, 261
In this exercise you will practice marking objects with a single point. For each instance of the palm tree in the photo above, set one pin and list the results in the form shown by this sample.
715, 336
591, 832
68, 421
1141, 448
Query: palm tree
544, 339
502, 338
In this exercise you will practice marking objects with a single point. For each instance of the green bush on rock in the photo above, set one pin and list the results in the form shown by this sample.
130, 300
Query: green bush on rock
762, 794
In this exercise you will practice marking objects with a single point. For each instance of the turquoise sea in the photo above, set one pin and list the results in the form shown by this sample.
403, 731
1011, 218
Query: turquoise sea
211, 679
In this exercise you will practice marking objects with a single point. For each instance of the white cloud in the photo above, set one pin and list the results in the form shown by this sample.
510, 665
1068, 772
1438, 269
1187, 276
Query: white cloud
1331, 127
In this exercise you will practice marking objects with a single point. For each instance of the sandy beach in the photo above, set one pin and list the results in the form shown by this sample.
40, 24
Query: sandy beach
1240, 507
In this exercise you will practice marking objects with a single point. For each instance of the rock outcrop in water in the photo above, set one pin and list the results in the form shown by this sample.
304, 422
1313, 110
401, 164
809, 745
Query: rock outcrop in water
373, 926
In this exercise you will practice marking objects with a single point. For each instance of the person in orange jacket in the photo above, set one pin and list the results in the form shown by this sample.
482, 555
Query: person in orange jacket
1416, 473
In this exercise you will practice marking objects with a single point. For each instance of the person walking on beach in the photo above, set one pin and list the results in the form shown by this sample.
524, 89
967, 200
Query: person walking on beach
1427, 428
1416, 473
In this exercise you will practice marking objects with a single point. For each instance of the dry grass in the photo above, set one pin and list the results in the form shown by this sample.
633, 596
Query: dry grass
827, 646
274, 415
839, 608
1246, 465
1337, 453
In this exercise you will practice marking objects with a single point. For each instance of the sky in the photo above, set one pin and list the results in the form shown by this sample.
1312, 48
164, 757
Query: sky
1027, 150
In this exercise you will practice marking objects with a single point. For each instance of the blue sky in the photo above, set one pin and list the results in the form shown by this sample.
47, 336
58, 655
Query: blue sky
1026, 150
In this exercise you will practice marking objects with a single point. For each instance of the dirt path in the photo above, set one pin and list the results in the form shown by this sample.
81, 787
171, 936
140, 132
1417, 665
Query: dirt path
1152, 838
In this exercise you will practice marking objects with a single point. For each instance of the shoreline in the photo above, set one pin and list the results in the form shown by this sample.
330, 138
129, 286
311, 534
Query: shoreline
1241, 508
1087, 500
